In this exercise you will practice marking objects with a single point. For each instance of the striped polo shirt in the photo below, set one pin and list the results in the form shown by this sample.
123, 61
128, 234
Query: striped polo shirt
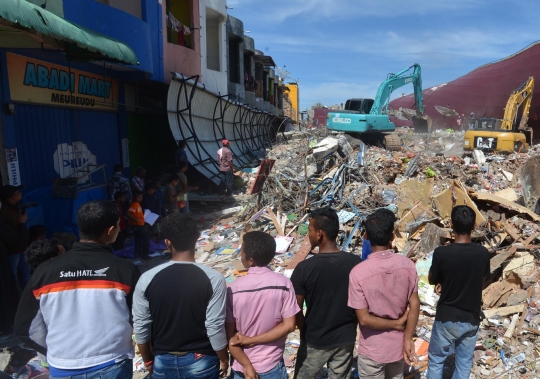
257, 303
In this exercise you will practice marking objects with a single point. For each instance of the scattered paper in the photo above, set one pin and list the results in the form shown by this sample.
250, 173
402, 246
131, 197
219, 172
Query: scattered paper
282, 244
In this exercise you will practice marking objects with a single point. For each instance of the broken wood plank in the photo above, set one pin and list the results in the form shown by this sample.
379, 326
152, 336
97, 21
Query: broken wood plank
275, 221
510, 331
524, 312
505, 311
531, 238
533, 331
499, 259
512, 232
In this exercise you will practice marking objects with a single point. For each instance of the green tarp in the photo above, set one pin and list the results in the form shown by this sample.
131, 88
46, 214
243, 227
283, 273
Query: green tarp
81, 43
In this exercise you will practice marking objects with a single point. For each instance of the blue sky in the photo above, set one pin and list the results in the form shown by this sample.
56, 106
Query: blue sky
339, 49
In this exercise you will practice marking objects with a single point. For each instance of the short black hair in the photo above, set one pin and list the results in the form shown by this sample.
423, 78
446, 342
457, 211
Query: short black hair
259, 246
380, 227
95, 217
182, 143
182, 164
181, 229
172, 178
117, 167
327, 220
35, 231
119, 194
463, 219
41, 251
156, 180
149, 186
136, 193
139, 170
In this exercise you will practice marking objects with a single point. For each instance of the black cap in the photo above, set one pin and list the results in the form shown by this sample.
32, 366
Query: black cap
8, 190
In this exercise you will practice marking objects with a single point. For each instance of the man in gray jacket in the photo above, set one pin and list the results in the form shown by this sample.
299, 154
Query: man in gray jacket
179, 310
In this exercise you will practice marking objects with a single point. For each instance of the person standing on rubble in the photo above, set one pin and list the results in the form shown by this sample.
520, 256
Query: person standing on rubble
459, 271
226, 168
328, 330
383, 344
181, 334
471, 121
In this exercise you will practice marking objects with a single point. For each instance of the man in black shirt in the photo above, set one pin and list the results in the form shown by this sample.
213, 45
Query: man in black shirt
328, 330
460, 269
179, 310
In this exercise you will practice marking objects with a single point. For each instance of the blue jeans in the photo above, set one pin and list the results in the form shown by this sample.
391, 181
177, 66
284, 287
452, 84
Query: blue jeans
188, 366
20, 268
445, 335
278, 372
226, 181
120, 370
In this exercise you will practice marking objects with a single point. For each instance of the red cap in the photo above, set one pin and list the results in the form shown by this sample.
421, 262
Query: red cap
225, 142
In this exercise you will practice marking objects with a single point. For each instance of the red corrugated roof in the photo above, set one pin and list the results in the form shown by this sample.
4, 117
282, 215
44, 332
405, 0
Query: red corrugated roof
483, 91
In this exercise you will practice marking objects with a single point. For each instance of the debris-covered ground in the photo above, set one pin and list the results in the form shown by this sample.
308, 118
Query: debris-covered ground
420, 183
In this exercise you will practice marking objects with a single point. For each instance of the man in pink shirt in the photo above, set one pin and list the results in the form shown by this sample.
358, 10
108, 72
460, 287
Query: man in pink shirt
380, 289
226, 168
261, 311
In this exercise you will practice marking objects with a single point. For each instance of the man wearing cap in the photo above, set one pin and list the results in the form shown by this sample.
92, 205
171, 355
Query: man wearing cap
11, 214
226, 168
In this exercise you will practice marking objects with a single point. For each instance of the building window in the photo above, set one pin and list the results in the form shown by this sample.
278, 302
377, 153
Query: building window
212, 40
179, 23
234, 60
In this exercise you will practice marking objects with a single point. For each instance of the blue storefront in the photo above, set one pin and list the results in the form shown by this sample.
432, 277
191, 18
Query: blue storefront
60, 114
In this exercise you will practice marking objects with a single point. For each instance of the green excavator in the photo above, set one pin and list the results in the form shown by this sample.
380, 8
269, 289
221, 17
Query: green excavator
371, 118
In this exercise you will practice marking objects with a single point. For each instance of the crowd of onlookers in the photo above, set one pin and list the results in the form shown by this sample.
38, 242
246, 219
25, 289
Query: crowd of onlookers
80, 308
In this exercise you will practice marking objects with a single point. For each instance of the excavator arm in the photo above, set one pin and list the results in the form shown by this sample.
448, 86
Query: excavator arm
395, 81
522, 95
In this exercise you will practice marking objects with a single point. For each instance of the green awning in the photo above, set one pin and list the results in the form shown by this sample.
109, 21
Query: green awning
80, 42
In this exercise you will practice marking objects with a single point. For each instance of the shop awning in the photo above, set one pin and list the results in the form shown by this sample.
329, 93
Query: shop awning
80, 43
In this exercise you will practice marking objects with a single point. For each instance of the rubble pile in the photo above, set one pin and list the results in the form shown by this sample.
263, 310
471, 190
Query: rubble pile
420, 184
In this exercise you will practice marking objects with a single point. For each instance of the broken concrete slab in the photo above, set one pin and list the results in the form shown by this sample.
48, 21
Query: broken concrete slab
325, 147
518, 297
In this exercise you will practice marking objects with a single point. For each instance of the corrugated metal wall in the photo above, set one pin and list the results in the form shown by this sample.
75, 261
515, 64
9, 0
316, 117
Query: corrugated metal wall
40, 129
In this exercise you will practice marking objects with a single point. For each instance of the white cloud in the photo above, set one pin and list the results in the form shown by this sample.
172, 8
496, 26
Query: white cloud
278, 11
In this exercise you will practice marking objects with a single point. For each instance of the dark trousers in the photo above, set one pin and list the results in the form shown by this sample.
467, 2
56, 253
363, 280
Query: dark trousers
120, 240
226, 181
142, 241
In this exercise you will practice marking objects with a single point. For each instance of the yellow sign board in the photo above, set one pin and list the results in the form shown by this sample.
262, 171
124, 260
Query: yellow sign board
35, 81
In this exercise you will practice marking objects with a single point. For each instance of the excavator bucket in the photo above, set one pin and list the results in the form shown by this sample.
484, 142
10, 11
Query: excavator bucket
422, 124
530, 183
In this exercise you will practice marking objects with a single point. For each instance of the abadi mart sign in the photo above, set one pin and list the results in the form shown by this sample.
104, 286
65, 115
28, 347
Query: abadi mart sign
35, 81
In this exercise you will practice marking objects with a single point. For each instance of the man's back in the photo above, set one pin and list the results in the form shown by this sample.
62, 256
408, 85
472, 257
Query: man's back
186, 305
384, 284
257, 303
224, 157
324, 281
460, 268
78, 306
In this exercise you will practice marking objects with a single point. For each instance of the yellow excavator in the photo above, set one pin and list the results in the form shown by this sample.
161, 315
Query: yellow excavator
506, 136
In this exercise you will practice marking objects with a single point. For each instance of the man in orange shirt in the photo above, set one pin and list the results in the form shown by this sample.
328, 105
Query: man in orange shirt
136, 220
